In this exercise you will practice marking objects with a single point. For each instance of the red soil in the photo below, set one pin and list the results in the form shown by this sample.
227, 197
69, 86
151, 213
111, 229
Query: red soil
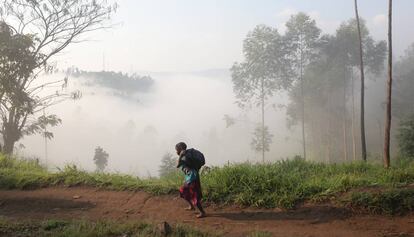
95, 204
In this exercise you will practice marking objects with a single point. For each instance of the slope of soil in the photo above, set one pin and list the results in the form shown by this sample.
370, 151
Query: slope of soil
95, 204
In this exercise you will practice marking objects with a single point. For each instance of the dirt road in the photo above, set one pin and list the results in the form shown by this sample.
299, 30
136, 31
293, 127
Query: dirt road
95, 204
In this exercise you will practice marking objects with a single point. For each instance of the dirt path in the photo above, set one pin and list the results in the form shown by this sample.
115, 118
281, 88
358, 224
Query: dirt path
95, 204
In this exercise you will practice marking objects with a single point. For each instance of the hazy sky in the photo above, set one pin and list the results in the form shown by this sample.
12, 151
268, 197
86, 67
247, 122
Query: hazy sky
191, 35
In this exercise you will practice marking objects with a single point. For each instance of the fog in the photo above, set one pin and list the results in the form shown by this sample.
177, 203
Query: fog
139, 129
200, 56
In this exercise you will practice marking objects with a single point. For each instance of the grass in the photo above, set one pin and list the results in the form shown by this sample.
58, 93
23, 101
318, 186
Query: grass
281, 184
287, 183
59, 228
393, 201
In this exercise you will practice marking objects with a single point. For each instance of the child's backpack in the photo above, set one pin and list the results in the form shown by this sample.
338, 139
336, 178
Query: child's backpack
196, 158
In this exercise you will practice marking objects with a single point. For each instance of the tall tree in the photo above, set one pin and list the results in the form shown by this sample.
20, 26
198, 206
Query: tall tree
353, 116
389, 91
48, 27
302, 37
261, 74
327, 84
362, 113
347, 55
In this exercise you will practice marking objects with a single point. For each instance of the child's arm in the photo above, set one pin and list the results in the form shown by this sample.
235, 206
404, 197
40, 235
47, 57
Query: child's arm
181, 159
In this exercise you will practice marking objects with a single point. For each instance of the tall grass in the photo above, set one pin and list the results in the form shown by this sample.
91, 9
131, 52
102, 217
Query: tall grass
285, 183
280, 184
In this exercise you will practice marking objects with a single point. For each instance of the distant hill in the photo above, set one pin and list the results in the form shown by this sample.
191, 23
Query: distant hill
121, 82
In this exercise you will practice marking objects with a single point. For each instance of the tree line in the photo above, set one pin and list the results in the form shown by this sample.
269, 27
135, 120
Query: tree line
320, 72
123, 82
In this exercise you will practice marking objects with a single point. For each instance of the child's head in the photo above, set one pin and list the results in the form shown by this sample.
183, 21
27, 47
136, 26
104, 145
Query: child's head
181, 146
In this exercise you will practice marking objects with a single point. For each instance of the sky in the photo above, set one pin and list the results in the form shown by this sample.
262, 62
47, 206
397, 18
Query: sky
195, 35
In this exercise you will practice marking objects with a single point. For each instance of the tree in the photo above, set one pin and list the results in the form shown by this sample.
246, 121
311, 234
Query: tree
16, 64
327, 85
261, 139
361, 60
262, 74
168, 165
43, 28
389, 91
302, 37
347, 55
100, 159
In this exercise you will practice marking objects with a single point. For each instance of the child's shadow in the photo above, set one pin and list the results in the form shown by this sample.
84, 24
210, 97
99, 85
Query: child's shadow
320, 214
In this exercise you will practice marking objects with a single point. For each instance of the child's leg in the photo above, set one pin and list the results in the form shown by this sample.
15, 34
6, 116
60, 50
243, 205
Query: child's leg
185, 194
202, 212
190, 207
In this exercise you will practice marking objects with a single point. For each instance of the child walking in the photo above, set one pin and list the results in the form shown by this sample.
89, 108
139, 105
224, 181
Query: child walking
191, 190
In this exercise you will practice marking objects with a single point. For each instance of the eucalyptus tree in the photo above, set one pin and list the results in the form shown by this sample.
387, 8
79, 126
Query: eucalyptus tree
46, 28
389, 91
262, 73
362, 74
326, 86
347, 54
321, 89
302, 39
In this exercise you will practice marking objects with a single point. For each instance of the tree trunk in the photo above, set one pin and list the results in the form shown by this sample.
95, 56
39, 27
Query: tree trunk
389, 91
361, 59
353, 118
8, 147
9, 139
344, 120
328, 133
263, 122
303, 105
381, 136
10, 134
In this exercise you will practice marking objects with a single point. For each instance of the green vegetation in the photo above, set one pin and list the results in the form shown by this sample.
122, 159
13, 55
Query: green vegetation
57, 228
281, 184
286, 183
394, 201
